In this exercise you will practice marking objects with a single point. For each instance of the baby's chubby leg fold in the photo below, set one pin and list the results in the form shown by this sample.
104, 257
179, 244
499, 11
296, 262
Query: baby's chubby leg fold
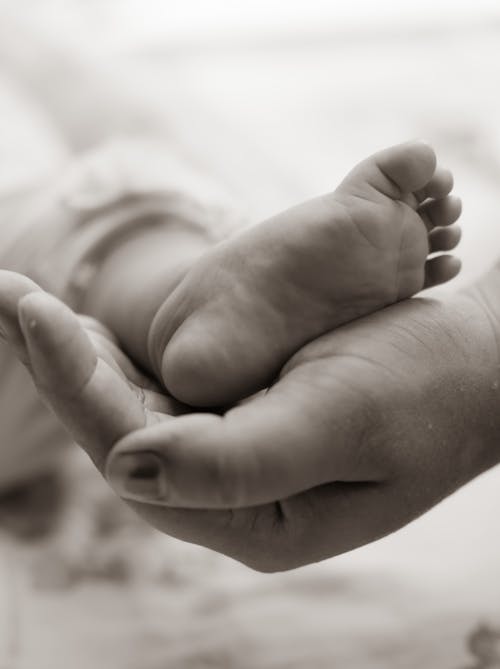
249, 303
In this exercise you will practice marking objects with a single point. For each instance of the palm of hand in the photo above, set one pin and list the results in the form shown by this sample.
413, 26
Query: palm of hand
369, 447
355, 460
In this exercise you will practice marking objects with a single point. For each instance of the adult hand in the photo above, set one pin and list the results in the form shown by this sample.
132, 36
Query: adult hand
366, 429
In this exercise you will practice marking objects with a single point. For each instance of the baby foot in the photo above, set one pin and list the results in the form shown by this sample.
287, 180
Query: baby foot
253, 300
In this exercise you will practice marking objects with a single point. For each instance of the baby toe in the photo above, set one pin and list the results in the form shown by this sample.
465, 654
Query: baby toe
440, 185
409, 166
441, 269
444, 239
438, 213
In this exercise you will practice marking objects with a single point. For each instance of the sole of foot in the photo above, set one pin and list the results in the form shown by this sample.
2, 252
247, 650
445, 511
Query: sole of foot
251, 302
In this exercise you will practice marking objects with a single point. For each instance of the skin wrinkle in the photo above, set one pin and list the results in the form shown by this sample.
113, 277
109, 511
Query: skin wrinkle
436, 329
317, 382
114, 354
119, 361
281, 517
304, 540
372, 418
393, 295
295, 532
392, 183
410, 332
226, 479
145, 389
356, 225
422, 212
410, 199
80, 390
347, 356
216, 472
139, 393
489, 312
397, 278
258, 538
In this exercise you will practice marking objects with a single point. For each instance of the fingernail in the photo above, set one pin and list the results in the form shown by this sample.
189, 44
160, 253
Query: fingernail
137, 476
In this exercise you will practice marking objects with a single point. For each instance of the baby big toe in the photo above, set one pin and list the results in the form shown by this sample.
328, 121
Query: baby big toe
405, 168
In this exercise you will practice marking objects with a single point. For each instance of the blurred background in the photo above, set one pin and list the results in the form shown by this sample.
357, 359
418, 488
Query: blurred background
274, 102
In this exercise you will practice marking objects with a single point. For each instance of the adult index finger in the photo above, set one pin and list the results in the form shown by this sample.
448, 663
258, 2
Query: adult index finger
93, 402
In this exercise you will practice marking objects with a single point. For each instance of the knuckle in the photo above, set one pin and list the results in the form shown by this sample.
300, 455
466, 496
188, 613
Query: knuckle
226, 481
234, 475
261, 539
